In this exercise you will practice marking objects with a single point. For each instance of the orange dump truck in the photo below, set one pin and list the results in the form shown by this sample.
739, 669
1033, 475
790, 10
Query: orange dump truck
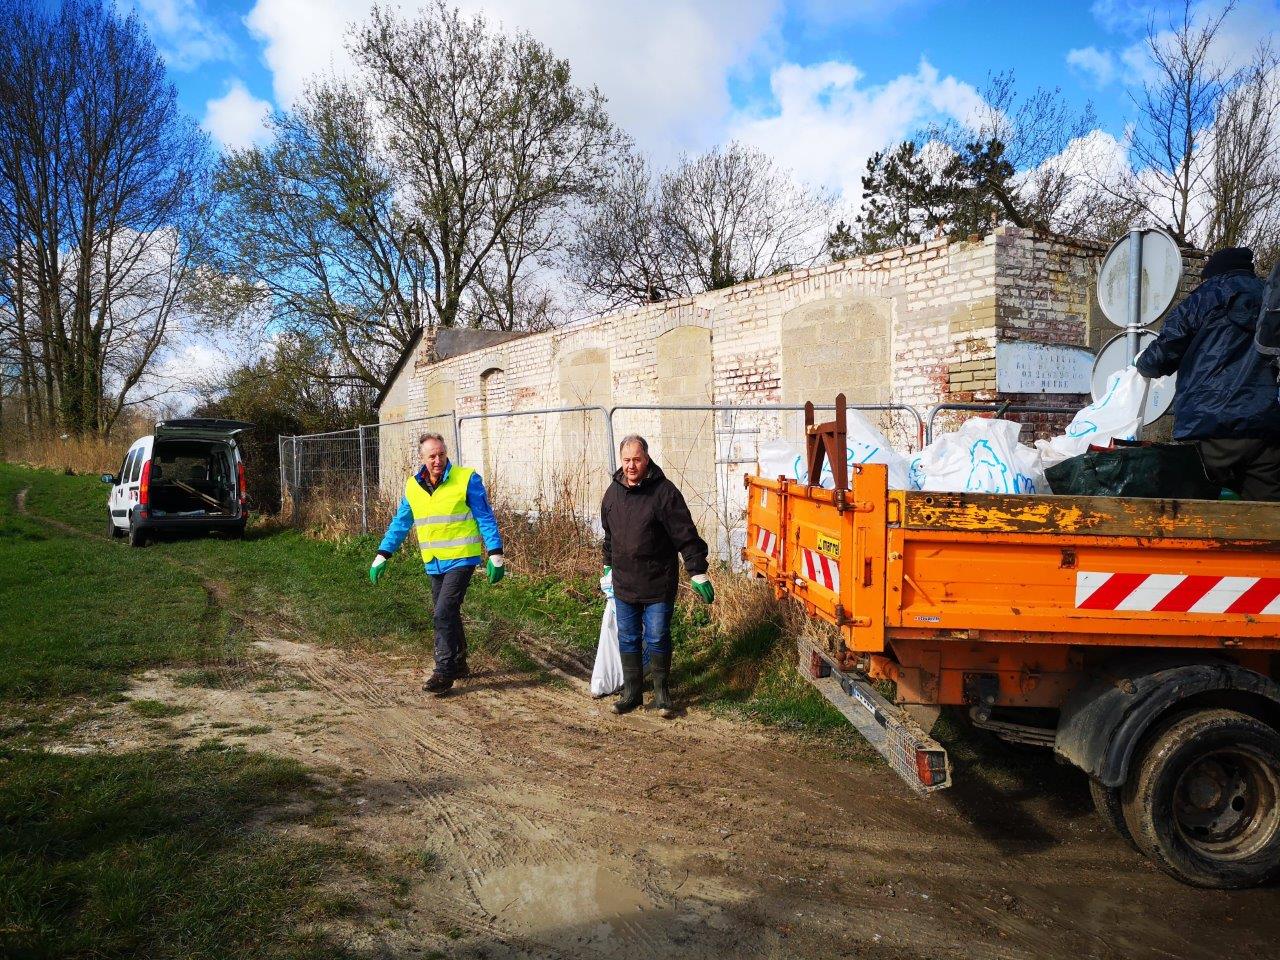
1137, 638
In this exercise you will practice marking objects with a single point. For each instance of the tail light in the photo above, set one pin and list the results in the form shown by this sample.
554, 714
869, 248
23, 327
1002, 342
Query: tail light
144, 491
931, 767
240, 481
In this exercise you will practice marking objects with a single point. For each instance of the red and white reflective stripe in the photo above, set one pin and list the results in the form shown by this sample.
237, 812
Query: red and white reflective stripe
767, 541
1177, 593
821, 570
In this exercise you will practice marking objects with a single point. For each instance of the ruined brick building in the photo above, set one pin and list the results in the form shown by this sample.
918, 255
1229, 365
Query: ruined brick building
1005, 317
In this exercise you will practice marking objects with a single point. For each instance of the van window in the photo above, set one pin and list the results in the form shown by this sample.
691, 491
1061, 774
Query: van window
123, 475
136, 471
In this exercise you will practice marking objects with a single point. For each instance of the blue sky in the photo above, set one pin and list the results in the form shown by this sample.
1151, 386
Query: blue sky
818, 83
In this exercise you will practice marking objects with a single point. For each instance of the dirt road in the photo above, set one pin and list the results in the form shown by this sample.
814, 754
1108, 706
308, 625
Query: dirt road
551, 828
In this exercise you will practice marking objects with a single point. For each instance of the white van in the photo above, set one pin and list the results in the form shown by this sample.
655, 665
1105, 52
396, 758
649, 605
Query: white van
188, 475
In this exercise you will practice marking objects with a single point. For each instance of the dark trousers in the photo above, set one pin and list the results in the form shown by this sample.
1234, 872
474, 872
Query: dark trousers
1249, 467
447, 591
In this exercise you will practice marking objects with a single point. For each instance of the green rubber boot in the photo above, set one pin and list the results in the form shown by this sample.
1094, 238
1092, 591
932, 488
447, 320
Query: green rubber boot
632, 674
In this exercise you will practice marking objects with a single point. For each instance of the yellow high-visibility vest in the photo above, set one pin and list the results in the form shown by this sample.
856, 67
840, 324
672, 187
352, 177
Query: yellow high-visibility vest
446, 529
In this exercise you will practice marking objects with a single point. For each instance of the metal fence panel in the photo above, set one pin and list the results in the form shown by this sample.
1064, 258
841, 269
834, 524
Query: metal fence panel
531, 459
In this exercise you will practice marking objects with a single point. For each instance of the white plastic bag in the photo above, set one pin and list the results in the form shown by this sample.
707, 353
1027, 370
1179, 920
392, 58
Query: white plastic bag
863, 444
606, 675
983, 456
1116, 416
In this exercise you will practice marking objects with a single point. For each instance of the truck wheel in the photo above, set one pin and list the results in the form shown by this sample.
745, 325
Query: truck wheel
1204, 800
1106, 801
113, 532
137, 536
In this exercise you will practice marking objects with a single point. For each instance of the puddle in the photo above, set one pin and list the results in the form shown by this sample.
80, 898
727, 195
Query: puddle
587, 899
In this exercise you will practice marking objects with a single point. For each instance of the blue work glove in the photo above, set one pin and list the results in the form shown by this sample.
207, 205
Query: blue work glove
494, 569
701, 584
376, 569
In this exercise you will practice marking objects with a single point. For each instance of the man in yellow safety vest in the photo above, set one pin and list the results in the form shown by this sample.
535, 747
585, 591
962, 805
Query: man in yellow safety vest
448, 507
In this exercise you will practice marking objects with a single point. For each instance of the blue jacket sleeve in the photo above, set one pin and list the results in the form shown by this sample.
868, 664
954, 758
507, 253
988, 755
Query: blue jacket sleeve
478, 501
1165, 355
398, 529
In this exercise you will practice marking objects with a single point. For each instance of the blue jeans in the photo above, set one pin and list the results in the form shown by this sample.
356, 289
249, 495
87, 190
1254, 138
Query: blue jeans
644, 627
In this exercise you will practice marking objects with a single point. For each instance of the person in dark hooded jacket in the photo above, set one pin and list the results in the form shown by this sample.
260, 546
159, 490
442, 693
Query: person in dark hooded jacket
1226, 400
646, 524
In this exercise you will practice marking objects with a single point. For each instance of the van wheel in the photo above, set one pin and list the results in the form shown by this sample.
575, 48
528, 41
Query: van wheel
1204, 800
137, 536
113, 532
1106, 801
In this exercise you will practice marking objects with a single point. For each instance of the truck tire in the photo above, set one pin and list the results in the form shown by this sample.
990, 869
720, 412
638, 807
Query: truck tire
1203, 801
113, 532
1106, 801
137, 536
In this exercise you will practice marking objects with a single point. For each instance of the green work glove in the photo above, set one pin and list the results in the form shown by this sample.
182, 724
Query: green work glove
378, 566
701, 584
494, 569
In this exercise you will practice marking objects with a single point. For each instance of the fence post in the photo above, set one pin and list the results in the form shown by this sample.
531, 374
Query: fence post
297, 481
280, 462
364, 497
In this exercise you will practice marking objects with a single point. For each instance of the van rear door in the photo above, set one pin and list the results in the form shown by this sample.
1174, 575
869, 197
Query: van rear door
201, 428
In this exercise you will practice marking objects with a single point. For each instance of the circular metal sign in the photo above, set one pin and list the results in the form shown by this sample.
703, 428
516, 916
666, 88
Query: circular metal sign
1113, 357
1161, 273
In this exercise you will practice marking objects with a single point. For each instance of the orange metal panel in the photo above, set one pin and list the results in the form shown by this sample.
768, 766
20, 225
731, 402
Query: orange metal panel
1033, 583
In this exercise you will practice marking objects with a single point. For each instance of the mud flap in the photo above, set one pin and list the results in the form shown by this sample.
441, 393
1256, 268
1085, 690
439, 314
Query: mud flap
912, 754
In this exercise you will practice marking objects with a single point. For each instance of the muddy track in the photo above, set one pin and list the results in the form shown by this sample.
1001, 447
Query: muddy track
565, 831
558, 830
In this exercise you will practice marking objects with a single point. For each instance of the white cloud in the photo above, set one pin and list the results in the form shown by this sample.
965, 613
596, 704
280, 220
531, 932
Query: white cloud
826, 123
1234, 45
664, 65
237, 119
184, 36
1099, 65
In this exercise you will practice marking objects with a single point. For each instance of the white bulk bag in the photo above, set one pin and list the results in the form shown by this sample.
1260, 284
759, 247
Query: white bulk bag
1116, 416
863, 444
983, 456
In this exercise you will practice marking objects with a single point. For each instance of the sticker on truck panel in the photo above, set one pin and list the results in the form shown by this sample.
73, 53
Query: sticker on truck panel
828, 546
821, 570
767, 542
1177, 593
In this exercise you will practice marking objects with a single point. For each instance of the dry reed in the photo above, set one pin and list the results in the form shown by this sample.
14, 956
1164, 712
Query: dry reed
70, 453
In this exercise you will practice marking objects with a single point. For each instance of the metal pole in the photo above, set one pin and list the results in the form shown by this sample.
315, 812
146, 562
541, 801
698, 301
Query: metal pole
1134, 327
528, 413
364, 497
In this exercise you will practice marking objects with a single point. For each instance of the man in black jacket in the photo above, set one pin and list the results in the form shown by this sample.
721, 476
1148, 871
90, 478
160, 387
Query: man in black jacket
1226, 397
646, 523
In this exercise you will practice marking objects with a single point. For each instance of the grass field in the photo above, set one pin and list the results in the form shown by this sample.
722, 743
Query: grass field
147, 851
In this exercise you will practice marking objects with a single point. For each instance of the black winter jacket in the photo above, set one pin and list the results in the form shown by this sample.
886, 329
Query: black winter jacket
645, 526
1226, 388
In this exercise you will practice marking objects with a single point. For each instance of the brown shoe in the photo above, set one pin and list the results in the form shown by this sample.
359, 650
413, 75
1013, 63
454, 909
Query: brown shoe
438, 684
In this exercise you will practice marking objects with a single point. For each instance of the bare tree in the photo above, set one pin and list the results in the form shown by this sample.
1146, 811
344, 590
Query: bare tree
102, 177
1242, 182
1176, 110
311, 224
617, 252
489, 135
732, 214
